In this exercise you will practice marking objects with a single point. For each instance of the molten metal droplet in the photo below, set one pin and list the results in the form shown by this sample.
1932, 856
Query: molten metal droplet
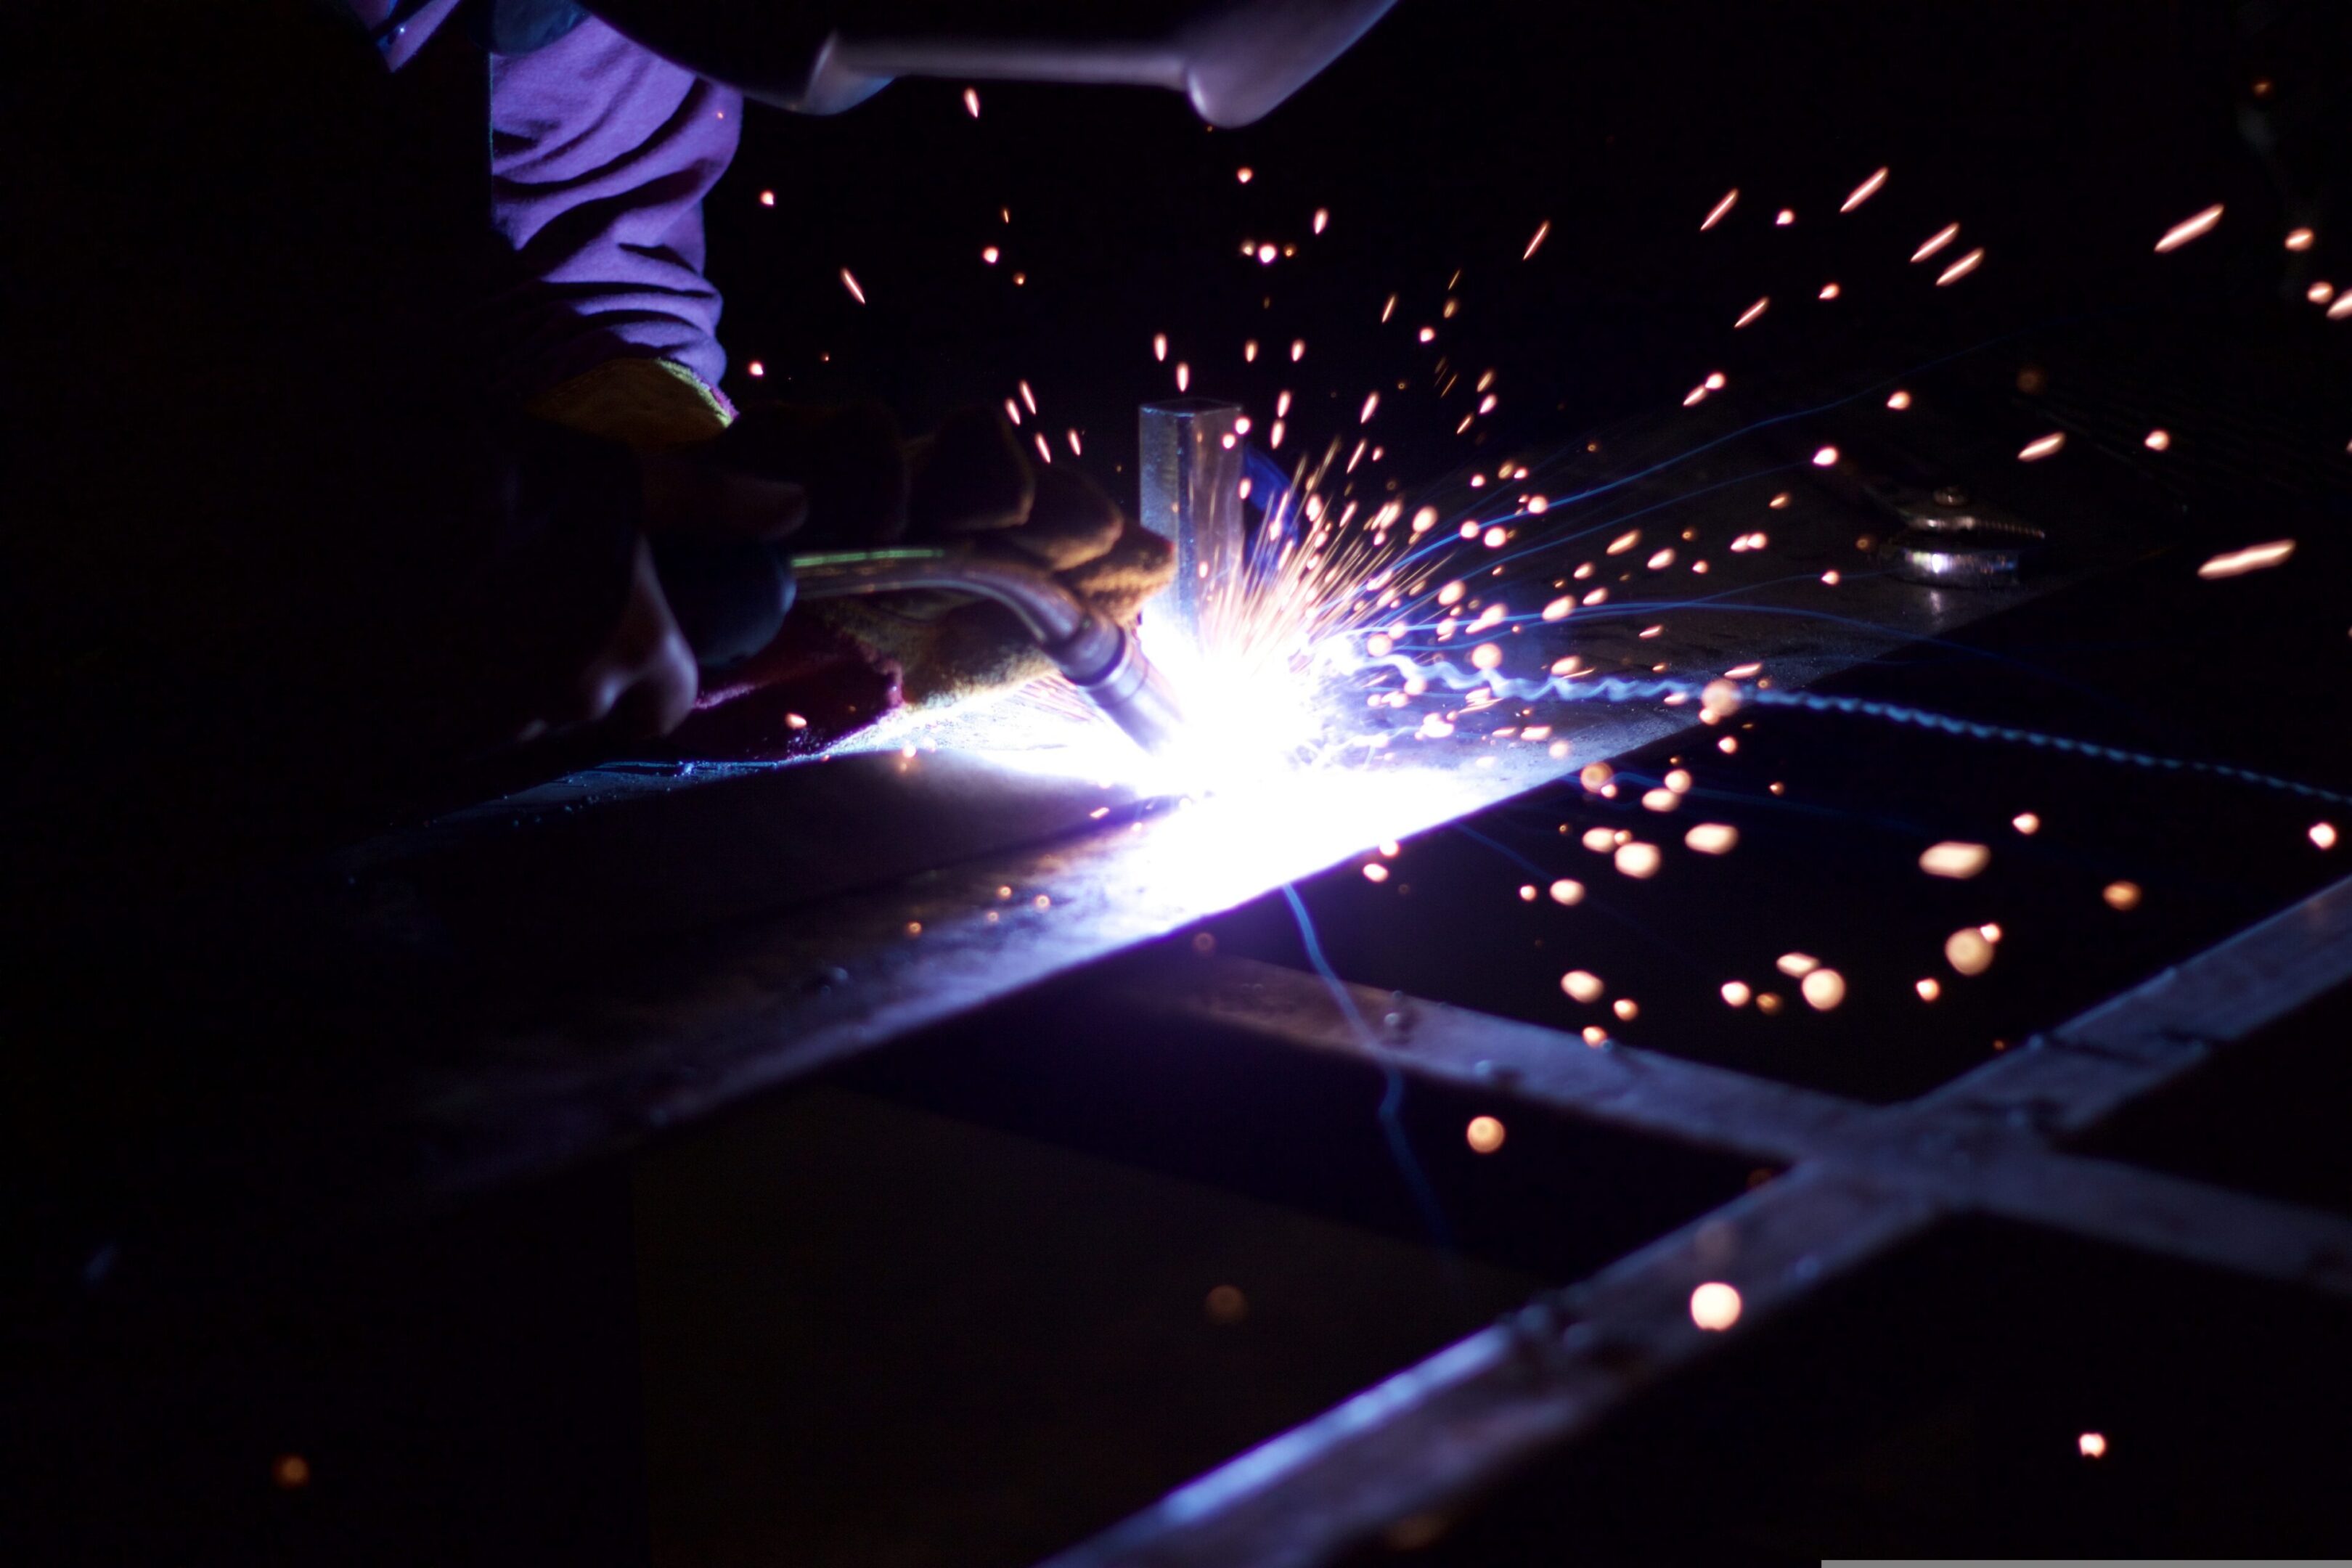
1823, 989
1485, 1134
2190, 228
1954, 859
1968, 951
2253, 558
1863, 192
1714, 1306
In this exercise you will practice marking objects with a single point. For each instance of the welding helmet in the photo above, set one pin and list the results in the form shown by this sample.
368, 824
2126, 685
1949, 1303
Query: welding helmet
1234, 60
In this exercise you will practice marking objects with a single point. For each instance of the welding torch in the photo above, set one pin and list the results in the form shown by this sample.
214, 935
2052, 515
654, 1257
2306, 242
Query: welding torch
729, 602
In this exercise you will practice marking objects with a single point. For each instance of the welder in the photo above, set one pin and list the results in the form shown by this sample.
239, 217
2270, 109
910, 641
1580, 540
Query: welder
365, 400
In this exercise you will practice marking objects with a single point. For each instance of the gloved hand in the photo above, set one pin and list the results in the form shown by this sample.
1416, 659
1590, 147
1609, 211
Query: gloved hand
970, 484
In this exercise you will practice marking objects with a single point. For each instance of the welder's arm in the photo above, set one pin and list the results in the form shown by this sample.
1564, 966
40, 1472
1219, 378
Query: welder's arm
601, 154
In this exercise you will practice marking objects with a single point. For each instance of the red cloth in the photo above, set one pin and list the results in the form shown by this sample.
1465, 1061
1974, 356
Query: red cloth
830, 683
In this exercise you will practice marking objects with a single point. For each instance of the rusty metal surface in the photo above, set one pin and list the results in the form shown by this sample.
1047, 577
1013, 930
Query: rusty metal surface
1866, 1181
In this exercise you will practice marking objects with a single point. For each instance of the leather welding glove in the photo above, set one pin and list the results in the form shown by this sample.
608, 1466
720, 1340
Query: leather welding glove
970, 484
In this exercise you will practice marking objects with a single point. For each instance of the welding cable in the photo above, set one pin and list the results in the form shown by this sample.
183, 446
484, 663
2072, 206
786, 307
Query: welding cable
1407, 1165
1619, 689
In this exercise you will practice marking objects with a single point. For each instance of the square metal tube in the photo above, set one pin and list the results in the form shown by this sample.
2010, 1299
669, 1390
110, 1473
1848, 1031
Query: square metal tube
1192, 465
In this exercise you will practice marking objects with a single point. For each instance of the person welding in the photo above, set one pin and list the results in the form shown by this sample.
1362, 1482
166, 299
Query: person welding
365, 411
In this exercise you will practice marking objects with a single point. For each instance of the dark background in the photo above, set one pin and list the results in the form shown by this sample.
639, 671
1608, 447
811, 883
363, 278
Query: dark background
478, 1391
2064, 140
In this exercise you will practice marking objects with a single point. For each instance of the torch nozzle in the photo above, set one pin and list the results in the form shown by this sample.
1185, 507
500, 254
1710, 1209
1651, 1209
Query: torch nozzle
1100, 657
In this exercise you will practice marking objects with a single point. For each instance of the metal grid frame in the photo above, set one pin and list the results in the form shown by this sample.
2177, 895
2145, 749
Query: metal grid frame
1859, 1182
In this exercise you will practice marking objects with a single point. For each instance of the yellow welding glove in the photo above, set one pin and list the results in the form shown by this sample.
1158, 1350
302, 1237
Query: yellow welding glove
970, 483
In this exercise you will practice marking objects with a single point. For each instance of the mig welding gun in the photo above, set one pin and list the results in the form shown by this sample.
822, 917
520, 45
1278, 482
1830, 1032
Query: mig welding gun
1234, 60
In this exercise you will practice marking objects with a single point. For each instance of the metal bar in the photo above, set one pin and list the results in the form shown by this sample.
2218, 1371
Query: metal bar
1423, 1439
2087, 1067
1622, 1086
1865, 1182
1190, 463
2172, 1216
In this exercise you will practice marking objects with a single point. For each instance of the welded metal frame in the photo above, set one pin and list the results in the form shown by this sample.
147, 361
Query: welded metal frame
1860, 1181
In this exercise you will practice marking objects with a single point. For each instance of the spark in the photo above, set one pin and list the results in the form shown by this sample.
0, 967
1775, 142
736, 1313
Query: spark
2253, 558
755, 369
1542, 229
1712, 838
1075, 451
1752, 312
1954, 859
1028, 398
1929, 988
1044, 452
1485, 1134
2319, 293
1735, 993
1567, 890
1297, 349
767, 198
971, 101
1637, 860
849, 281
2027, 823
1371, 402
2121, 895
1969, 951
1937, 241
1012, 411
2092, 1444
1244, 175
1375, 872
1961, 268
1159, 345
1581, 984
1714, 215
989, 253
2299, 239
1783, 218
1829, 291
2190, 228
2042, 446
2322, 834
1714, 1306
1183, 375
1898, 399
1863, 192
1823, 989
1826, 457
2157, 441
2341, 308
1322, 220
